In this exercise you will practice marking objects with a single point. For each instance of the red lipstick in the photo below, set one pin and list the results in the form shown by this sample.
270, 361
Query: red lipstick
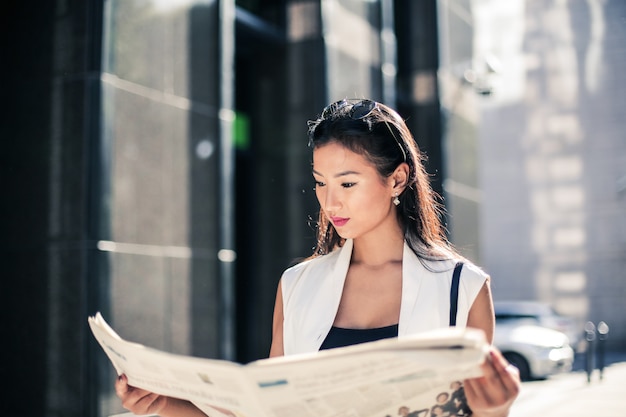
339, 221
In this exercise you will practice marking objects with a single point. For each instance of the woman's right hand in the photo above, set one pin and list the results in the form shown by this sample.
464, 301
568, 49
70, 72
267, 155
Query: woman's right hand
137, 400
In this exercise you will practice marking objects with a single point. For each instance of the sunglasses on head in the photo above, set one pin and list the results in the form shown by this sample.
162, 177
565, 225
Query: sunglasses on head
359, 110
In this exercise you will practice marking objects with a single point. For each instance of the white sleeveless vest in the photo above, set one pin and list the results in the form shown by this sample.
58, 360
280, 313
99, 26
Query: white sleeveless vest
312, 291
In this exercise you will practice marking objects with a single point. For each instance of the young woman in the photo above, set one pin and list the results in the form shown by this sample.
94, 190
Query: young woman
382, 266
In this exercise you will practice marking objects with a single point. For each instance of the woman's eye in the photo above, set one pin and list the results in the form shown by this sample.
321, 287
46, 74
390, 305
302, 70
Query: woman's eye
348, 184
319, 184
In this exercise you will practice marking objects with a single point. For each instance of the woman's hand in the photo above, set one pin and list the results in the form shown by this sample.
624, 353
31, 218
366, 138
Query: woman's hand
492, 394
139, 401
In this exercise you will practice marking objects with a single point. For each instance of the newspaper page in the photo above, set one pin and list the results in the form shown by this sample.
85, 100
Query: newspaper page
218, 383
414, 376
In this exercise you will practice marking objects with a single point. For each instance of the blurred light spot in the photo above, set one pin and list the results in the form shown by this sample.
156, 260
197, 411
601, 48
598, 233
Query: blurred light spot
226, 255
301, 23
389, 69
568, 197
574, 306
569, 237
566, 168
204, 149
424, 86
226, 115
570, 281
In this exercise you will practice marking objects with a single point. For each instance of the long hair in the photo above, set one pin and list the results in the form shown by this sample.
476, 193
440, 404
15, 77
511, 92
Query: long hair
381, 136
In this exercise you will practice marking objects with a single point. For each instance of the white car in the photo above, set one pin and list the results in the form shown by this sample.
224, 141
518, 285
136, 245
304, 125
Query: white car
536, 351
541, 314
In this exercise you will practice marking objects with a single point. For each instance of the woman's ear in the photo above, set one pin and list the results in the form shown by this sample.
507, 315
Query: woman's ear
400, 177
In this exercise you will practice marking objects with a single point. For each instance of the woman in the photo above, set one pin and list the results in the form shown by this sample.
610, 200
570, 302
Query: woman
382, 266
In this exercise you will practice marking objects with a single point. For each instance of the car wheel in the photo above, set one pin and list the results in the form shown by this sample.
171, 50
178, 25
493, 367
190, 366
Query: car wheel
520, 363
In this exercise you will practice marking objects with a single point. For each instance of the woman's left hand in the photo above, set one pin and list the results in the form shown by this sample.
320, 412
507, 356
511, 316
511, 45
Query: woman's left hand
493, 393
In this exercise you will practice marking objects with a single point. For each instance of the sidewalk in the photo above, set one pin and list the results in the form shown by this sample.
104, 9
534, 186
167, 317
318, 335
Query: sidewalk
570, 395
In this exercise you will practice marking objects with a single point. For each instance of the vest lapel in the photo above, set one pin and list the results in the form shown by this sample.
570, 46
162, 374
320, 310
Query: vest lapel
411, 272
331, 296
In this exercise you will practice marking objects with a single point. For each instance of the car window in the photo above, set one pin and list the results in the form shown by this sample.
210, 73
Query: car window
502, 319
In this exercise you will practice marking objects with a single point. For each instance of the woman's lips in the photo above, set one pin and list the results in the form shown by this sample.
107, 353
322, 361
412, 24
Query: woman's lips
339, 221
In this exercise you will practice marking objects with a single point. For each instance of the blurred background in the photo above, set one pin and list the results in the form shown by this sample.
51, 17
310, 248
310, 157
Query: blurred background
155, 164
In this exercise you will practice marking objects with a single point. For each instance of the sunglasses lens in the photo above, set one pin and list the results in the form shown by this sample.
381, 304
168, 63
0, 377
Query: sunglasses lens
331, 108
362, 109
358, 111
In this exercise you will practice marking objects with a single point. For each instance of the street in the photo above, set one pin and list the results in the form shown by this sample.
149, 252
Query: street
569, 395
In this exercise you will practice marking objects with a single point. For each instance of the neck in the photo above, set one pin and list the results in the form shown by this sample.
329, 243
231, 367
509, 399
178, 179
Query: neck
377, 252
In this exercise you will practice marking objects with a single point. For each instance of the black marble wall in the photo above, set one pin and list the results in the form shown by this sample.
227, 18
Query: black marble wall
51, 58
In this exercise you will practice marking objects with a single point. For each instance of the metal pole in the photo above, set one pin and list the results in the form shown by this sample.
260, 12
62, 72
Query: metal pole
603, 334
226, 255
388, 49
590, 335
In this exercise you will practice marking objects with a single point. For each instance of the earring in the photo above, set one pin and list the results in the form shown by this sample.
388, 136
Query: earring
396, 200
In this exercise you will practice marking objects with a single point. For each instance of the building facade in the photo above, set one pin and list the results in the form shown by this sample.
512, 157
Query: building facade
156, 164
532, 93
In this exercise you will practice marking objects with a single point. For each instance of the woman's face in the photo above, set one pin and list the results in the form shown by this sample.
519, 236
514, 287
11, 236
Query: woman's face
351, 193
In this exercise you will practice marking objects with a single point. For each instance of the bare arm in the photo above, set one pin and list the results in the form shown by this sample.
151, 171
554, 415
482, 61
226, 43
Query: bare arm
277, 327
481, 314
492, 394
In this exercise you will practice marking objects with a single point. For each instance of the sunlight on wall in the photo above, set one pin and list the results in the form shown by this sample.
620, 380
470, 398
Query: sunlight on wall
166, 6
499, 30
353, 48
561, 220
536, 109
549, 62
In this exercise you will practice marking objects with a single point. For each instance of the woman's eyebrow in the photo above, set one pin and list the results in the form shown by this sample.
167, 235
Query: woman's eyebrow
340, 174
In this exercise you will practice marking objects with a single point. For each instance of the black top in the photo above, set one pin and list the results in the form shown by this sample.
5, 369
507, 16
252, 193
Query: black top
339, 337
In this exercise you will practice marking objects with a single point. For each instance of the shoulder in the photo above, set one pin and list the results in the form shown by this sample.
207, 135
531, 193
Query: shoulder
472, 277
469, 270
315, 269
474, 272
309, 265
471, 282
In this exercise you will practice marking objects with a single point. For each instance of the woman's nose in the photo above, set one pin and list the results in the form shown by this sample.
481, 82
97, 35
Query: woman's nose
331, 201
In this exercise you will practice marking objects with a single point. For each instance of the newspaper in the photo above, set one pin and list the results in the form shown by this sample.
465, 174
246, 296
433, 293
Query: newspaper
407, 376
